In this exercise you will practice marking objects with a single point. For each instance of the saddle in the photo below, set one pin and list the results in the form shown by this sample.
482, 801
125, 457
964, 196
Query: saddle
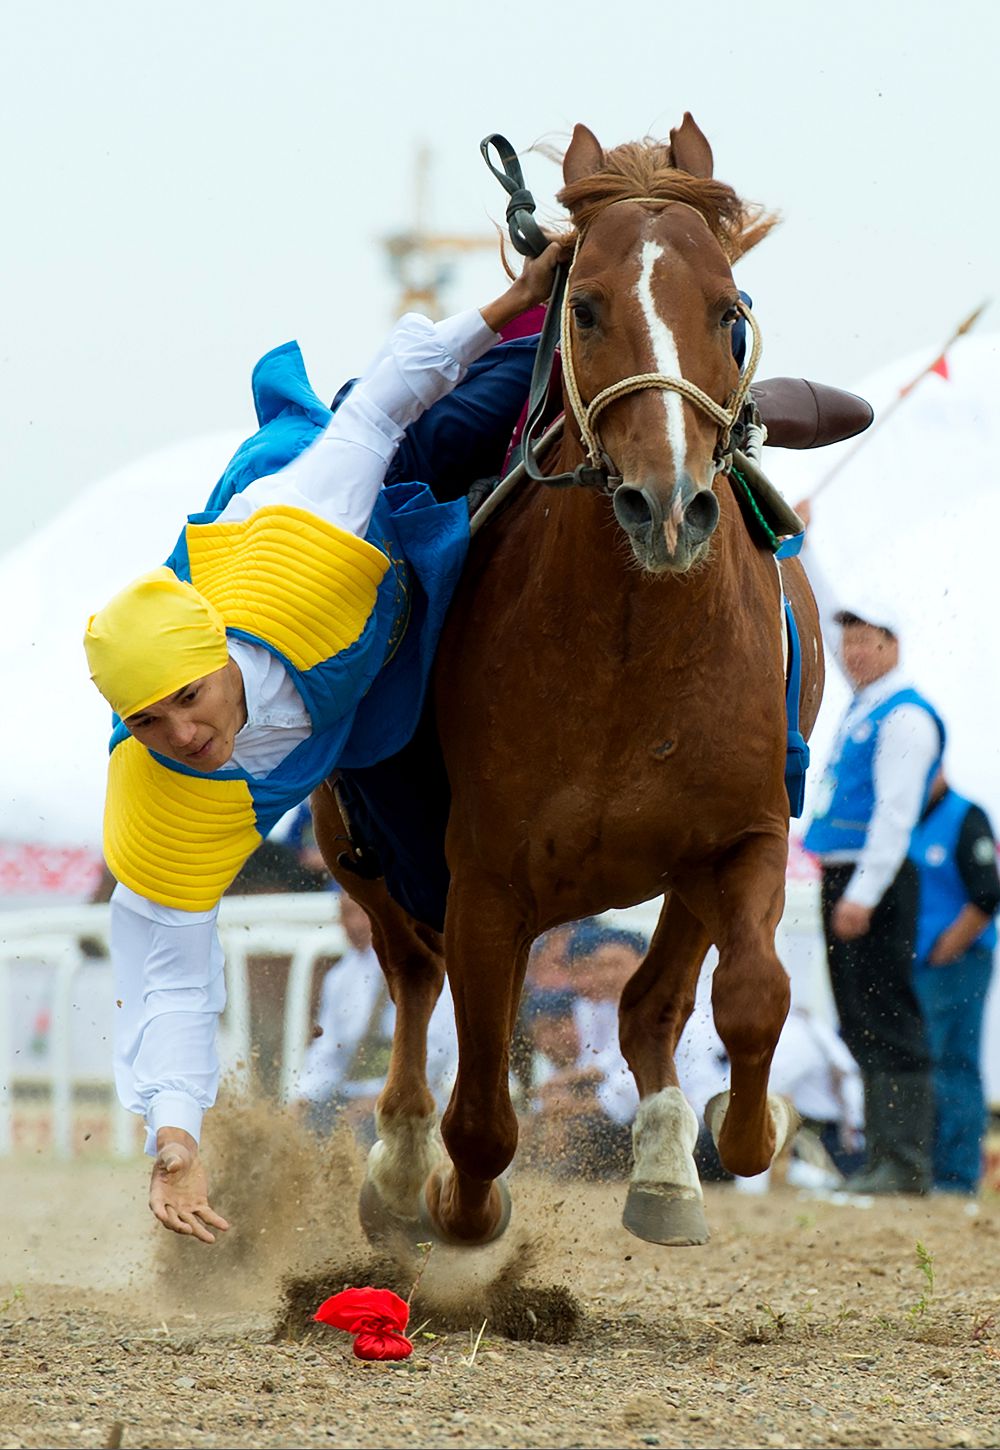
794, 413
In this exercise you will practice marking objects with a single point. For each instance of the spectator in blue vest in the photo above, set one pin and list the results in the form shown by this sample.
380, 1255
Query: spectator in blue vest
877, 784
955, 853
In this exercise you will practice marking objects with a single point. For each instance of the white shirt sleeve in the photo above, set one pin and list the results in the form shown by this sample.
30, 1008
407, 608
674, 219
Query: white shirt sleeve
338, 477
347, 997
597, 1027
170, 990
907, 747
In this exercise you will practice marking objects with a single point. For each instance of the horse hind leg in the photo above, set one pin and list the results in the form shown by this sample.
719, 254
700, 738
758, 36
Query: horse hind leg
408, 1143
784, 1119
665, 1204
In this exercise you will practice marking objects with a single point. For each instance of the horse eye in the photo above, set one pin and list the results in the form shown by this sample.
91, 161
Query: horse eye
730, 317
583, 314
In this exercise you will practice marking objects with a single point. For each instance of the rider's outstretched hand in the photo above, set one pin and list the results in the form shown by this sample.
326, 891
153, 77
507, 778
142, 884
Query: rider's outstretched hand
178, 1188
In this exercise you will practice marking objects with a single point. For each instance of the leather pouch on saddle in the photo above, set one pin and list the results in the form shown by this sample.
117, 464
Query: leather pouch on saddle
801, 414
796, 414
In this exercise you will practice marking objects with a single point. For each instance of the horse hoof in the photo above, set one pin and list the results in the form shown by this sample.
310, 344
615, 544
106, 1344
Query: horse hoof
381, 1224
432, 1229
665, 1215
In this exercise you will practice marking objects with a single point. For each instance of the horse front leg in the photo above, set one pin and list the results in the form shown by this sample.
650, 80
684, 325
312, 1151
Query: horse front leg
741, 903
665, 1204
486, 950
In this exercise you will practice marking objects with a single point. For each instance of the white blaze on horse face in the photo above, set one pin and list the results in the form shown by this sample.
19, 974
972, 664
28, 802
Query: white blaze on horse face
665, 353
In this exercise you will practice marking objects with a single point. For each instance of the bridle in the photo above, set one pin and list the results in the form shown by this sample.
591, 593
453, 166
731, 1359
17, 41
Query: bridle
586, 415
598, 471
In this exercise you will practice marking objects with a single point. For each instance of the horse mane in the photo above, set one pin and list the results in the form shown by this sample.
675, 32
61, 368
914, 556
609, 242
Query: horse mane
646, 169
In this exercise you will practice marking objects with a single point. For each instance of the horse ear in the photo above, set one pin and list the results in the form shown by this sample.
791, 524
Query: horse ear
584, 155
690, 149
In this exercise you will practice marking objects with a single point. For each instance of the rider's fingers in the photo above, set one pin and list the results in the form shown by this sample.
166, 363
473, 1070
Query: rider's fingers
557, 249
196, 1227
170, 1218
210, 1216
546, 262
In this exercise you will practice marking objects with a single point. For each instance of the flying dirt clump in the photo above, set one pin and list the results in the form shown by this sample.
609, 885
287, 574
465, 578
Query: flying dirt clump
290, 1198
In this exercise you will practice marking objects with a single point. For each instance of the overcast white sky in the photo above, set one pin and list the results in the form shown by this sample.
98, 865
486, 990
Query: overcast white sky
188, 185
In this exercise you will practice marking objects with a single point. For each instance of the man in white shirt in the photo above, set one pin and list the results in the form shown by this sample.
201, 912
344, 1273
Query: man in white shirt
238, 673
887, 751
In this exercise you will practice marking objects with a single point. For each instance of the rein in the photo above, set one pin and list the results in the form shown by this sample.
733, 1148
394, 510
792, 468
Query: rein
599, 471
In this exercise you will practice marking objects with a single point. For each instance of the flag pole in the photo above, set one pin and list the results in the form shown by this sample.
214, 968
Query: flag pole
904, 393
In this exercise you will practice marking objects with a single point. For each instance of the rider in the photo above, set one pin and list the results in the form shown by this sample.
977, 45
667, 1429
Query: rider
291, 630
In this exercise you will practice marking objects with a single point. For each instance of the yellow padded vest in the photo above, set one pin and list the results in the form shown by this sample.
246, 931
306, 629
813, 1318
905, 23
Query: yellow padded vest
296, 582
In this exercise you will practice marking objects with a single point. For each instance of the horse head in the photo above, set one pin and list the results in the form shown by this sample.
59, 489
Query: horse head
647, 331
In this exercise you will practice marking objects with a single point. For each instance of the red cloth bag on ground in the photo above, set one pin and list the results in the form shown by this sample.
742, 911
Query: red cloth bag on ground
376, 1317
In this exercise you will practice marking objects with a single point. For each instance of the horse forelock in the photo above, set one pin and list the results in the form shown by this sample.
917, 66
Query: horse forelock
640, 169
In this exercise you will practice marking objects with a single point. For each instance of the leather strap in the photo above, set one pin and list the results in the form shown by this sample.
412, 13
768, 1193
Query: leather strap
529, 239
525, 233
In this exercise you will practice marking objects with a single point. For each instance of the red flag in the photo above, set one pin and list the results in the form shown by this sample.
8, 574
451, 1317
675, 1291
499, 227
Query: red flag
939, 366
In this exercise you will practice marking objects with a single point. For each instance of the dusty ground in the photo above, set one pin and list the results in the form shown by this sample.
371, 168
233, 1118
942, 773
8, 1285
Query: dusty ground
803, 1323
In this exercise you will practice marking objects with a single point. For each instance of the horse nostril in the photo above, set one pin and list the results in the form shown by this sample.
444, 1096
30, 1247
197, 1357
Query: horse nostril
634, 507
702, 514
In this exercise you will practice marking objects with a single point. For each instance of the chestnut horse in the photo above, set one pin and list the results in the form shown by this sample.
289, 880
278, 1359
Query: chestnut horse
610, 694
